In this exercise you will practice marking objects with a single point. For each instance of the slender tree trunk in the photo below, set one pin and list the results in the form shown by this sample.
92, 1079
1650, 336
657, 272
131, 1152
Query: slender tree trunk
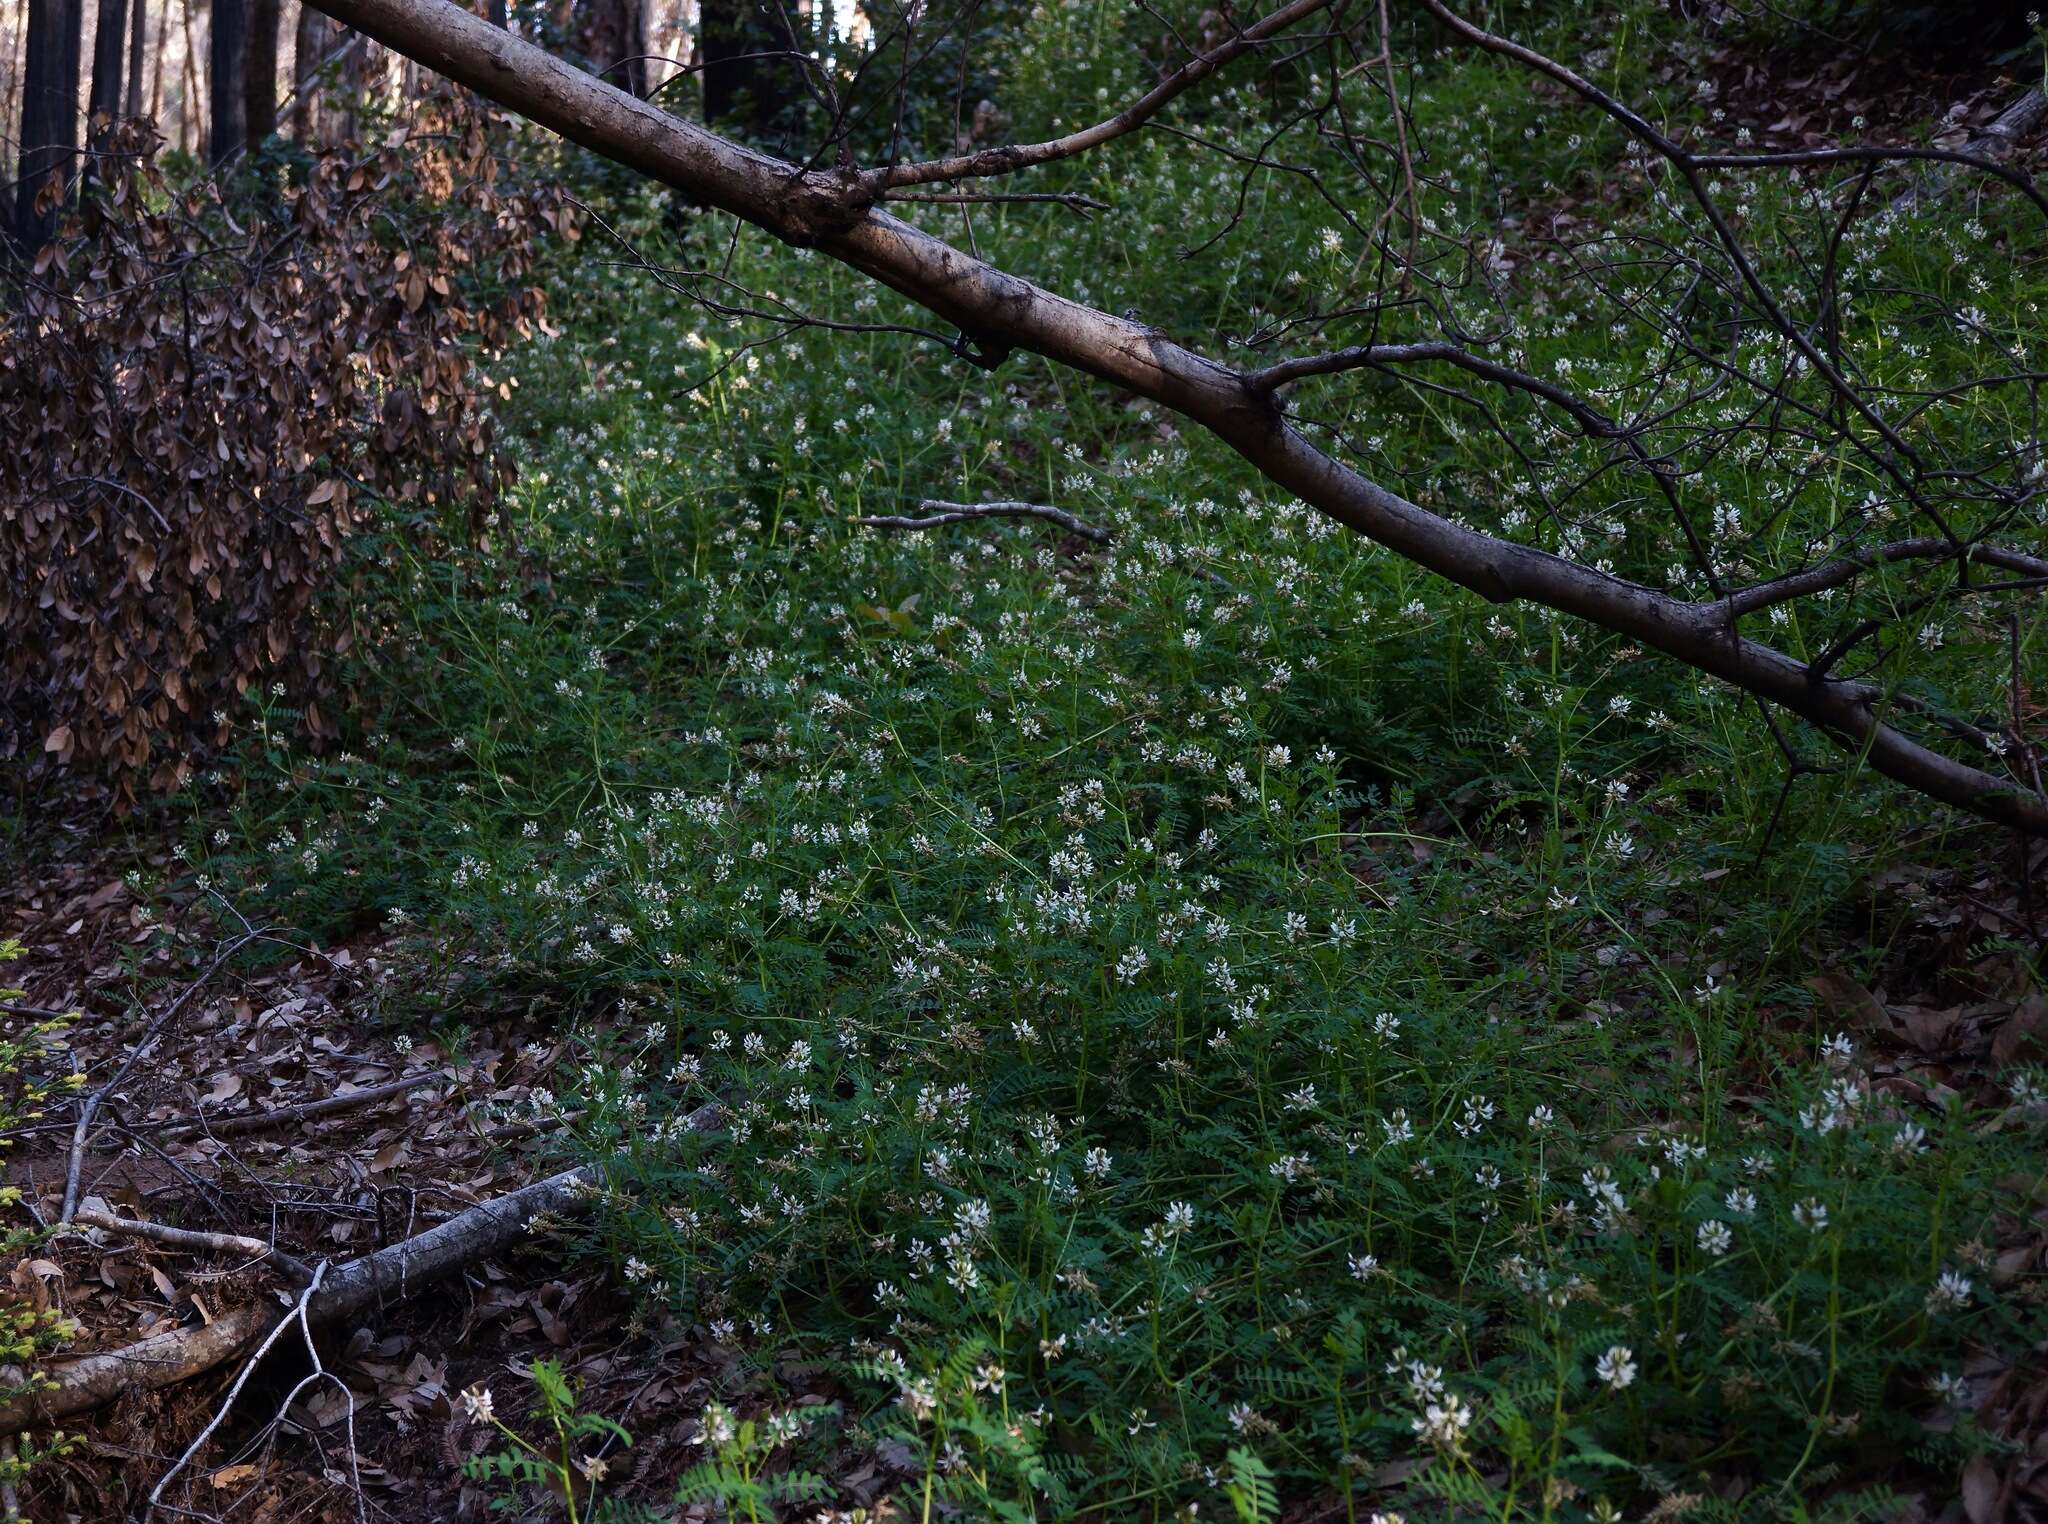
49, 113
8, 120
227, 79
8, 101
611, 36
360, 68
188, 88
110, 32
500, 16
639, 72
313, 40
156, 67
138, 54
260, 98
740, 88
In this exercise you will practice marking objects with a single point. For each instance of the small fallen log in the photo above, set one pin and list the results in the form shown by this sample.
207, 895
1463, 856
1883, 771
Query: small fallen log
396, 1272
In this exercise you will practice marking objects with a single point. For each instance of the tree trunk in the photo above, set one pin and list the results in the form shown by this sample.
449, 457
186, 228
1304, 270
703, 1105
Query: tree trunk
227, 79
188, 87
501, 17
156, 67
312, 41
611, 37
138, 54
260, 99
740, 87
49, 114
110, 31
362, 66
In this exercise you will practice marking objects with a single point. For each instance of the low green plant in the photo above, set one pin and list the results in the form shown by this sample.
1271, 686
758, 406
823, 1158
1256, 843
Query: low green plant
564, 1462
736, 1473
30, 1330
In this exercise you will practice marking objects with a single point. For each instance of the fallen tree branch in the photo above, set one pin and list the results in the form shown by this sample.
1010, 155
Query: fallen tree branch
939, 514
398, 1271
38, 1012
1987, 148
304, 1111
189, 1238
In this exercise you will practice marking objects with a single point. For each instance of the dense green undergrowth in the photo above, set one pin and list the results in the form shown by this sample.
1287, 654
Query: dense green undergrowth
1217, 1016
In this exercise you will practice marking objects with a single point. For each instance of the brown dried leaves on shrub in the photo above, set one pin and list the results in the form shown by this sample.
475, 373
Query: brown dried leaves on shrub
202, 403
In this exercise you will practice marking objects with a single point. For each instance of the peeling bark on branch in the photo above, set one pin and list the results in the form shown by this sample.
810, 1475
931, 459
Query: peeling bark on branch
835, 212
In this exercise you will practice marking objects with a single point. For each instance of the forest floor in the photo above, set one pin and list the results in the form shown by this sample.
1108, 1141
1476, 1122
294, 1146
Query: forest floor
208, 1133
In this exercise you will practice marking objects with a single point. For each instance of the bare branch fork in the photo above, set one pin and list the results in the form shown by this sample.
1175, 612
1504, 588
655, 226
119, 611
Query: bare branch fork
300, 1314
835, 211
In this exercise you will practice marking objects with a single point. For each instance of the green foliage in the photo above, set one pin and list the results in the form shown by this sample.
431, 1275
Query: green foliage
567, 1462
30, 1329
1250, 1488
1223, 1018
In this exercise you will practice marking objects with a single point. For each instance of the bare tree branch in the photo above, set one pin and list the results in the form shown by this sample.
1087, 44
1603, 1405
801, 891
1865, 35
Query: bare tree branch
254, 1249
939, 514
167, 1358
1843, 569
1010, 159
89, 1107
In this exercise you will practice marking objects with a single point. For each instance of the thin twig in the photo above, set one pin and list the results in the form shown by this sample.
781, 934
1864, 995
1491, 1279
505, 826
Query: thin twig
89, 1107
297, 1315
939, 514
37, 1012
1013, 157
1069, 199
107, 482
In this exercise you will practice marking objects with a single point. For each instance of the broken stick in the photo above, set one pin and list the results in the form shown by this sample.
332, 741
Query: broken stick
188, 1238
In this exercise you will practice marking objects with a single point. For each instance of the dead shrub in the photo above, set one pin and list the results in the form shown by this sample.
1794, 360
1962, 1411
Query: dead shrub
201, 403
